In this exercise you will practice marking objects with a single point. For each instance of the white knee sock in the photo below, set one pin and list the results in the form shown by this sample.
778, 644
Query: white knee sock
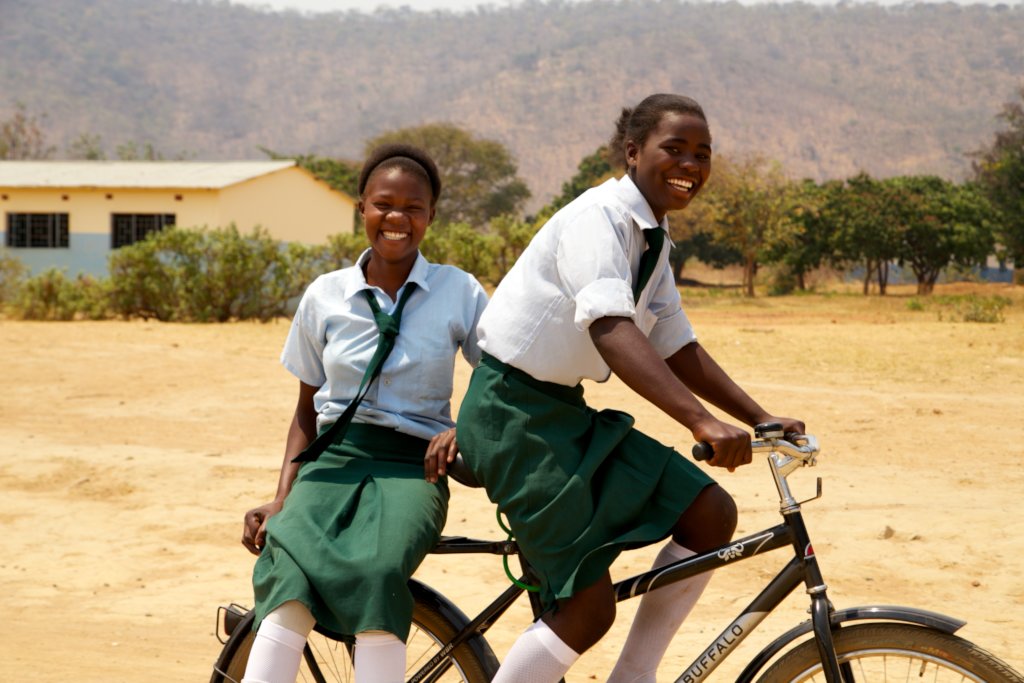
659, 616
275, 656
537, 656
380, 658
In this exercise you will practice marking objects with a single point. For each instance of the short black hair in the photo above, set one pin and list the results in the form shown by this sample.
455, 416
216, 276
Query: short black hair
406, 157
636, 123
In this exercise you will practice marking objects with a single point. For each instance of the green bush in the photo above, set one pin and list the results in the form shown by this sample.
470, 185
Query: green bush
12, 273
51, 295
345, 248
972, 308
915, 304
982, 309
782, 281
210, 275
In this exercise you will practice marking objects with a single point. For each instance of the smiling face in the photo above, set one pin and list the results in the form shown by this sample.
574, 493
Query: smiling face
397, 206
673, 164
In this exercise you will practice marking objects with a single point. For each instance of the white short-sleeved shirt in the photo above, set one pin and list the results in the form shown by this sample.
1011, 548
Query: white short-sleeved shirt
333, 337
580, 267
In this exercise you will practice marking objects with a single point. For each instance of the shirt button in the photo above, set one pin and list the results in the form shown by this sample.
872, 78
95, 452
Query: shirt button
387, 381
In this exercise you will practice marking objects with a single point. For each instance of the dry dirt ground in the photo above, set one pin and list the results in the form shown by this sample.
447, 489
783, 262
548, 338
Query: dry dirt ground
130, 450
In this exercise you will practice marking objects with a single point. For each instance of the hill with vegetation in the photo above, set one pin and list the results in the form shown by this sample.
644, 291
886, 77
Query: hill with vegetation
827, 91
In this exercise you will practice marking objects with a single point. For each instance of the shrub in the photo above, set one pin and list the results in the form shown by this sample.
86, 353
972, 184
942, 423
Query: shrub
972, 308
47, 296
915, 304
12, 272
210, 275
982, 309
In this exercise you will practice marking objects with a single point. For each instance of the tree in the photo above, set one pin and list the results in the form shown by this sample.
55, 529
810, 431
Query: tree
866, 228
88, 147
693, 236
810, 242
592, 170
753, 209
940, 223
999, 170
340, 174
22, 136
133, 151
479, 175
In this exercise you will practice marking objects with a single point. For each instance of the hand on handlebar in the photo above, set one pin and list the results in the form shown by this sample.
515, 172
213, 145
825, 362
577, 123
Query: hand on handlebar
789, 424
705, 451
731, 444
254, 531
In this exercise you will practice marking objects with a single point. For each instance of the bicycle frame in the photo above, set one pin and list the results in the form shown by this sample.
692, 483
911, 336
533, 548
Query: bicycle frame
802, 568
783, 457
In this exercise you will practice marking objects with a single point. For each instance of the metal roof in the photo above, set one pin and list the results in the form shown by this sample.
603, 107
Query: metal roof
208, 175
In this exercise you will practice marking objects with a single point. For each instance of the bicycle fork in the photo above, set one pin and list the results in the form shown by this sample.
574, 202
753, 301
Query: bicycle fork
821, 608
803, 568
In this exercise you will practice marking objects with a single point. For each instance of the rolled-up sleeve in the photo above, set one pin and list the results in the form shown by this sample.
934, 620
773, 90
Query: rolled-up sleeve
608, 297
593, 266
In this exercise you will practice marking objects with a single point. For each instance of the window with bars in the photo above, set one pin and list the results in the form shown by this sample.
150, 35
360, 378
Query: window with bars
43, 230
129, 228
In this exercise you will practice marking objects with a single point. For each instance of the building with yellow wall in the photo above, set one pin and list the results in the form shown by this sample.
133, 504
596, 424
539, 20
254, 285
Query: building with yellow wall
71, 214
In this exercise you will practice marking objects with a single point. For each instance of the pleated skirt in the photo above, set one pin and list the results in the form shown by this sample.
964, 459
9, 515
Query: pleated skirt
355, 526
577, 485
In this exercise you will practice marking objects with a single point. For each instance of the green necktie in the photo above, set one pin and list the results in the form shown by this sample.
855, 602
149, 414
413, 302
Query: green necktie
388, 326
649, 259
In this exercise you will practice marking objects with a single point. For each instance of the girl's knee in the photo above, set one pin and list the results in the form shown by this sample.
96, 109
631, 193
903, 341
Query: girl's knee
582, 620
709, 521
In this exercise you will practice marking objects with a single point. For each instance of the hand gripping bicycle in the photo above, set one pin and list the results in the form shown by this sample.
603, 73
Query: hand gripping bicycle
868, 644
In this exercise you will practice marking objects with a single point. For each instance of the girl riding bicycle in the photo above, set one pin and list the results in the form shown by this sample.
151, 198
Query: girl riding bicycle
577, 485
346, 531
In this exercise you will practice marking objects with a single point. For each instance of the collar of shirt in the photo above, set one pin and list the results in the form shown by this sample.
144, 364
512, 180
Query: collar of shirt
630, 194
358, 283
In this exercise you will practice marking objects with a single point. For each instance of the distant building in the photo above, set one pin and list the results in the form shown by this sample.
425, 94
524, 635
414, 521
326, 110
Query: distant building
71, 214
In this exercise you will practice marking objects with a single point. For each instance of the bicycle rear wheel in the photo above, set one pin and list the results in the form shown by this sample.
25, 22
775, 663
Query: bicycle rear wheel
878, 653
329, 659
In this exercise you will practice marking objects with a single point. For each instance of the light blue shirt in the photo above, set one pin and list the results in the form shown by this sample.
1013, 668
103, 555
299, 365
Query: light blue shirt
579, 268
333, 337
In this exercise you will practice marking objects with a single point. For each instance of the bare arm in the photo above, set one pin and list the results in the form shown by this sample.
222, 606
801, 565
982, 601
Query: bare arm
671, 387
300, 434
698, 370
706, 378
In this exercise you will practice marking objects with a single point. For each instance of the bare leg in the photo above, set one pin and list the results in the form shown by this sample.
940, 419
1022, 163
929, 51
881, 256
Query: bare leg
546, 651
662, 612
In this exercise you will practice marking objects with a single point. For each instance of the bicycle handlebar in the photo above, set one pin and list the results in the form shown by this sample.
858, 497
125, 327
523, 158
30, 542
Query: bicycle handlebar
801, 447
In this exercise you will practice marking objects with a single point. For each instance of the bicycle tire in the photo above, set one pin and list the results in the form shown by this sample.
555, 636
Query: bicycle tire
474, 662
888, 652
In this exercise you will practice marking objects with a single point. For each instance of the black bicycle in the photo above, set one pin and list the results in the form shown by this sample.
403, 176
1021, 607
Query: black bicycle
870, 644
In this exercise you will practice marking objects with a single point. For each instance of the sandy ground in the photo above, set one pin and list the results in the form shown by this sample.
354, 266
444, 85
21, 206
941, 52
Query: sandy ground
130, 450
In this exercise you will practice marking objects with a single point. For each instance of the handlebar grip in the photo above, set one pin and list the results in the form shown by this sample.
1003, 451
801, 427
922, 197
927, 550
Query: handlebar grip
702, 451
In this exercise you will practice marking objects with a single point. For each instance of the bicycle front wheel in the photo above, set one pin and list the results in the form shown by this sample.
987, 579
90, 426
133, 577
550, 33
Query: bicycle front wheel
328, 659
878, 653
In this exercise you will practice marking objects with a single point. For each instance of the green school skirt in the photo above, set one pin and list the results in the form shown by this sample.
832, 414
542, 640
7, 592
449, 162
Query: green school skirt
353, 529
578, 485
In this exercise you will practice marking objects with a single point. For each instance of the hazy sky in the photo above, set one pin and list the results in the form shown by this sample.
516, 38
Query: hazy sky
456, 5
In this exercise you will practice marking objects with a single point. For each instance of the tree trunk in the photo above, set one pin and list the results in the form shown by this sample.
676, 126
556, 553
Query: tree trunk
677, 269
869, 271
749, 270
883, 277
926, 285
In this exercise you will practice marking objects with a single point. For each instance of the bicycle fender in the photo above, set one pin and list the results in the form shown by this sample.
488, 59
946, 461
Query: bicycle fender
910, 615
421, 592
